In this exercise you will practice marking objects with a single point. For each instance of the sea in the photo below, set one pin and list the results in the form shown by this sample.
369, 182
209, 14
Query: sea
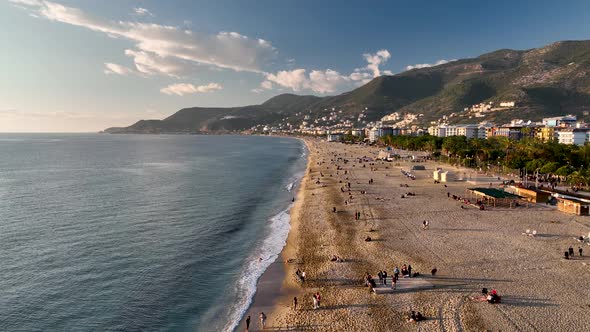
104, 232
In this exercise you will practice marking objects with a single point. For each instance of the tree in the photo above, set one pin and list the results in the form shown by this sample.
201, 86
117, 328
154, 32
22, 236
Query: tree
563, 171
577, 178
549, 168
535, 164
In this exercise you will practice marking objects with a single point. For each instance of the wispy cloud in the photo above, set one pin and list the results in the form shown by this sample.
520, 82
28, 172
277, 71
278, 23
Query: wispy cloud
159, 45
142, 12
181, 89
113, 68
427, 65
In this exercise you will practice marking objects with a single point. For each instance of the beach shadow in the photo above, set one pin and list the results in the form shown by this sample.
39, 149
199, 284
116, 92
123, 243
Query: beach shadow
340, 281
302, 327
377, 240
462, 229
474, 280
526, 302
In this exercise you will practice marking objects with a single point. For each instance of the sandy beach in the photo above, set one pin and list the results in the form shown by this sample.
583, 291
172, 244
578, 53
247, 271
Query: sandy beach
471, 249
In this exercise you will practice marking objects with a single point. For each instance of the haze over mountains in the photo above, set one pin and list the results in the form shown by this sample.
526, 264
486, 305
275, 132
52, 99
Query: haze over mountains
552, 80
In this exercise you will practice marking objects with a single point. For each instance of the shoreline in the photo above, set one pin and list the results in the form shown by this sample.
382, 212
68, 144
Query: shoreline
272, 286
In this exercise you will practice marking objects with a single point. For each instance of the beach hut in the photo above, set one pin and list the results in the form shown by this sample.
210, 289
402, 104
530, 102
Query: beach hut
532, 195
494, 196
436, 175
446, 176
573, 206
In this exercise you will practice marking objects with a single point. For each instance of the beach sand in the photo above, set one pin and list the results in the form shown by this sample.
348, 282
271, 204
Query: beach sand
471, 249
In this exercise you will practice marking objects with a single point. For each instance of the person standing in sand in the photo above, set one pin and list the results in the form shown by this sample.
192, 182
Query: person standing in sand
262, 317
295, 303
396, 273
248, 323
302, 277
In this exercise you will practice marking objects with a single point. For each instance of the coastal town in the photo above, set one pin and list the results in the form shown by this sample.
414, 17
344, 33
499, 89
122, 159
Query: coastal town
565, 129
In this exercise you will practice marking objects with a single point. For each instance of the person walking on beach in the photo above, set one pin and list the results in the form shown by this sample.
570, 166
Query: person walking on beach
302, 277
262, 317
571, 251
409, 270
248, 323
393, 283
580, 251
315, 302
385, 277
295, 303
396, 273
318, 297
380, 275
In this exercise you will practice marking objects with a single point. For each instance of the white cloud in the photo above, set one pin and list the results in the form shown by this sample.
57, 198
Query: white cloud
327, 81
266, 85
375, 60
427, 65
113, 68
293, 79
142, 12
365, 74
229, 50
182, 89
319, 81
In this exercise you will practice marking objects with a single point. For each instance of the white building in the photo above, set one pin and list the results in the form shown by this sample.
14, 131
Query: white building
336, 137
469, 131
377, 132
573, 136
357, 132
558, 121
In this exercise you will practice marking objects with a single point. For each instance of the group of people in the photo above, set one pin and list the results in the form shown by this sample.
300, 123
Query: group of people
316, 298
262, 319
570, 252
336, 258
369, 282
406, 271
491, 297
409, 175
415, 316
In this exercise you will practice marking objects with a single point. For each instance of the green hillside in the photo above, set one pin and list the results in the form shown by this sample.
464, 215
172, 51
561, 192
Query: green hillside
546, 81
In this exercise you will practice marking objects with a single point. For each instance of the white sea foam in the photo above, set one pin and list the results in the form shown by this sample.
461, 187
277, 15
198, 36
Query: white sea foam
278, 230
269, 251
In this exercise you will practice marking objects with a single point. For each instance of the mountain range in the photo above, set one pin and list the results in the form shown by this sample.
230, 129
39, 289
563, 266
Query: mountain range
547, 81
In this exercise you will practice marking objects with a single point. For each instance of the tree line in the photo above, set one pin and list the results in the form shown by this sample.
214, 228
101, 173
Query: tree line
569, 162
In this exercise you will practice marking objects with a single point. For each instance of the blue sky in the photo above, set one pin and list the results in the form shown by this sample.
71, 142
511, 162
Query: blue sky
87, 65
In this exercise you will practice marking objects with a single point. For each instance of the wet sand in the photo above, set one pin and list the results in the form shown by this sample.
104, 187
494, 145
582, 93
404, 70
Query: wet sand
471, 249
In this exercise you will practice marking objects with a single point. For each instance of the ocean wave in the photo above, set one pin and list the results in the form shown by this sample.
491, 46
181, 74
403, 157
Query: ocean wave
269, 251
